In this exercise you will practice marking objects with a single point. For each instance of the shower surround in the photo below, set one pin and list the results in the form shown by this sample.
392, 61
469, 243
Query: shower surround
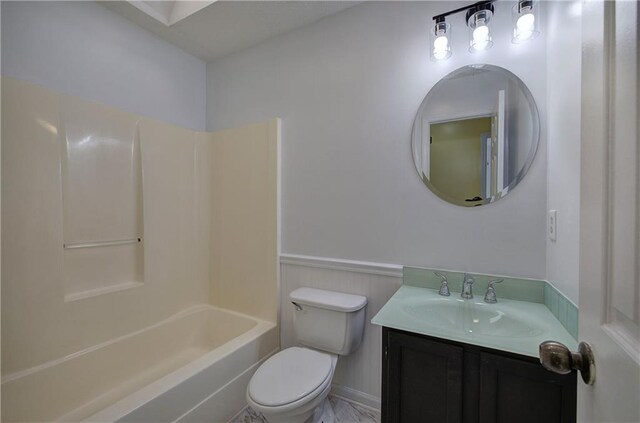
113, 223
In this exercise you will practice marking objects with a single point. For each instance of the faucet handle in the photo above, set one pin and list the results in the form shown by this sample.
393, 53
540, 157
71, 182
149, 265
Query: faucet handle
490, 295
493, 282
469, 279
444, 287
442, 275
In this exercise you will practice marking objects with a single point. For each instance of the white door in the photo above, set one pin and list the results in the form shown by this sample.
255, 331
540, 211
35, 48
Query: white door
610, 219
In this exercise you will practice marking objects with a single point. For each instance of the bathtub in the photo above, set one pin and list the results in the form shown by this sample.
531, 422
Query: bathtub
191, 367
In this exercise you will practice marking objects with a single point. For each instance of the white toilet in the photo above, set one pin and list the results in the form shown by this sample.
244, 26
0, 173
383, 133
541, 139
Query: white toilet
292, 385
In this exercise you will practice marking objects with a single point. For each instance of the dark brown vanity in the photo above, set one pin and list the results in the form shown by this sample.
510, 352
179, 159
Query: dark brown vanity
427, 379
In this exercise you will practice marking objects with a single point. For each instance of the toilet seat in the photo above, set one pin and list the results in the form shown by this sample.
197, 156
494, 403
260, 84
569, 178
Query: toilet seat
291, 377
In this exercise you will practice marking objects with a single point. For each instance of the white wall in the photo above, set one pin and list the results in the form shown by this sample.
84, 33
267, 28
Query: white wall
83, 49
564, 52
347, 89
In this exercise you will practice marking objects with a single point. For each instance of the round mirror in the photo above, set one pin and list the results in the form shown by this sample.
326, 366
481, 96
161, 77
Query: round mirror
475, 135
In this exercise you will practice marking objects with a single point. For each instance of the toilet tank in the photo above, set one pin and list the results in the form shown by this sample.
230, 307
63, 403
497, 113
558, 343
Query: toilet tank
328, 320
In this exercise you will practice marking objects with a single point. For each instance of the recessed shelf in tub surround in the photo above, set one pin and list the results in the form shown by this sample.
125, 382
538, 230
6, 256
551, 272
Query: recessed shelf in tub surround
102, 198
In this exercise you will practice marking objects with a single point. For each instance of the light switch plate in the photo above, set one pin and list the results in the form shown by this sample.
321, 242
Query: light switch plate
552, 227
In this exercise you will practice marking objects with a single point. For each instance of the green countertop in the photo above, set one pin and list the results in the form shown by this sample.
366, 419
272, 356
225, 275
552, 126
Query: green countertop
509, 325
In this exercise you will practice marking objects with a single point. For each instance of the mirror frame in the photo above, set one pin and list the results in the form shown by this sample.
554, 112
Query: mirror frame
530, 155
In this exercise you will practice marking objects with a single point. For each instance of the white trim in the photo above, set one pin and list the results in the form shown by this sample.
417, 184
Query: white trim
239, 413
360, 398
382, 269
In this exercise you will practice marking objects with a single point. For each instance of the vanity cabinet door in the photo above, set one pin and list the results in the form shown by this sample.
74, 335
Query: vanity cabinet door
422, 380
514, 390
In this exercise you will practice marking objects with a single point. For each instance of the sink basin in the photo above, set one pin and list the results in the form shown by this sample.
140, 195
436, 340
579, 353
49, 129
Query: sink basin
509, 325
469, 317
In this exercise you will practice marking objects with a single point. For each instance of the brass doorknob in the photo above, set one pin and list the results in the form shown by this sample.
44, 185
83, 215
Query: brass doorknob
557, 358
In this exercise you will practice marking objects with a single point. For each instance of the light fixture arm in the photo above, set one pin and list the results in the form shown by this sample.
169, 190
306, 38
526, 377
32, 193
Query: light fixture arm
475, 7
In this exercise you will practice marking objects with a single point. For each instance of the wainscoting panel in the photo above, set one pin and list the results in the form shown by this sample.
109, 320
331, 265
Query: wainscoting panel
358, 376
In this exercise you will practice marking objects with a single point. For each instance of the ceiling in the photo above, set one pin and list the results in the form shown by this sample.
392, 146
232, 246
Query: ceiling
223, 27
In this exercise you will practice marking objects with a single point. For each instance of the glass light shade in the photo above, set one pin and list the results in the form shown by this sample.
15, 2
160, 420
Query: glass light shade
480, 30
524, 21
440, 41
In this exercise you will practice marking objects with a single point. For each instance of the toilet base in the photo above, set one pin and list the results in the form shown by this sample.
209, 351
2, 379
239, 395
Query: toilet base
323, 413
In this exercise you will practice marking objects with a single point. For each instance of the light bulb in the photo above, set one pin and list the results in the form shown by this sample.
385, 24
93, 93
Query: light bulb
481, 37
524, 21
441, 49
440, 54
525, 26
441, 43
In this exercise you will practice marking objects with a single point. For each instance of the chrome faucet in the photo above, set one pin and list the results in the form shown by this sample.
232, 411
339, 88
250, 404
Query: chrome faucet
444, 287
490, 296
467, 290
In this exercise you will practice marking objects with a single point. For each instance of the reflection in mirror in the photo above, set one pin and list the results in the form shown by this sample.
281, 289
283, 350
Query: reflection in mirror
475, 135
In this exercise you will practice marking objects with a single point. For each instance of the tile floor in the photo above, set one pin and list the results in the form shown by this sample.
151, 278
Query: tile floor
346, 412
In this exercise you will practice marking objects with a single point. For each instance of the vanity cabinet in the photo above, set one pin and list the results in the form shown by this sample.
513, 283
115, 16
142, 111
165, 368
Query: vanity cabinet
426, 379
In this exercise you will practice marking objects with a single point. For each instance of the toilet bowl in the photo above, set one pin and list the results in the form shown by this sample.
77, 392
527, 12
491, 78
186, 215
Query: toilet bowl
292, 386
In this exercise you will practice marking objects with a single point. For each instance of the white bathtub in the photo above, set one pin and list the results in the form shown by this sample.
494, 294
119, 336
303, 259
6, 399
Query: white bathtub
193, 366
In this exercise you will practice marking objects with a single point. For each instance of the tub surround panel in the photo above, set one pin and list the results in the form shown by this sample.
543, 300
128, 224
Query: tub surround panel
44, 318
101, 172
203, 208
358, 375
244, 219
101, 198
38, 325
172, 234
31, 320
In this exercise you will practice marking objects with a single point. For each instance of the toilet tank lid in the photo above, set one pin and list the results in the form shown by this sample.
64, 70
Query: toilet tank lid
330, 300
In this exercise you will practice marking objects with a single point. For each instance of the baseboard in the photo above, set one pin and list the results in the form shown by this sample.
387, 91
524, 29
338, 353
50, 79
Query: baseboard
238, 414
358, 397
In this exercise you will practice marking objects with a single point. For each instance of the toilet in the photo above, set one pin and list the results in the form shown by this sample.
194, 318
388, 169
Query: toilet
292, 386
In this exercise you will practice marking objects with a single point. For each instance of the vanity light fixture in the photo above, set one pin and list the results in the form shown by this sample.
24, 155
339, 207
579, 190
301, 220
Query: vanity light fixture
524, 21
479, 18
440, 40
479, 23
